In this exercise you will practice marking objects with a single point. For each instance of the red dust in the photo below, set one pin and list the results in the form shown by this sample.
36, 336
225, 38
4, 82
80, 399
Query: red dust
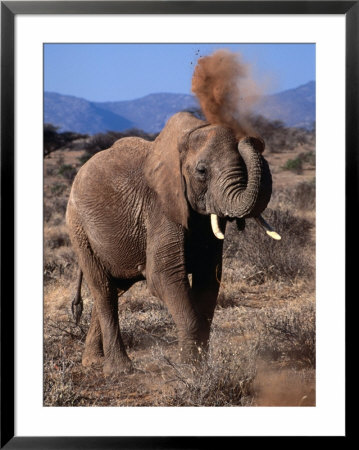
284, 387
225, 90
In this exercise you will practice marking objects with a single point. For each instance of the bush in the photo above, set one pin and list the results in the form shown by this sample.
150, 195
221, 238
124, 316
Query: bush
308, 157
278, 137
301, 197
56, 237
224, 378
67, 171
54, 206
58, 189
304, 195
294, 165
287, 333
58, 263
101, 141
252, 252
62, 357
54, 140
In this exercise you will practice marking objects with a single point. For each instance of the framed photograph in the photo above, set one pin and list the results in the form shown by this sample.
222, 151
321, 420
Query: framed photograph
183, 110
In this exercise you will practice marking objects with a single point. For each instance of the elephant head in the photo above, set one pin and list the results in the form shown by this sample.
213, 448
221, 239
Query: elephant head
202, 167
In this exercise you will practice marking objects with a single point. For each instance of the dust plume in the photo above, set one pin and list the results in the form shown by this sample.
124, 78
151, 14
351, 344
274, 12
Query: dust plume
225, 90
284, 387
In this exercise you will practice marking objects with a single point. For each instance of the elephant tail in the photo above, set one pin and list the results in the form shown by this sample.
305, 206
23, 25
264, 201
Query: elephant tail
77, 303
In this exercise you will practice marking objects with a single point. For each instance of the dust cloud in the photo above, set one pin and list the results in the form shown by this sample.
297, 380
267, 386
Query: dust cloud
226, 91
284, 387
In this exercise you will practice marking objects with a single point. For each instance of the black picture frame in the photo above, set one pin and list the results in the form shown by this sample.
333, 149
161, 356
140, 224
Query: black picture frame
9, 9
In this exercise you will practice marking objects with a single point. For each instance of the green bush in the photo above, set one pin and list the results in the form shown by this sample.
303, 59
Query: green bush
297, 164
294, 165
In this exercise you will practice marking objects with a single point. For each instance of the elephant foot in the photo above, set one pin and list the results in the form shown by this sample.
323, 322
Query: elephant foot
120, 364
88, 359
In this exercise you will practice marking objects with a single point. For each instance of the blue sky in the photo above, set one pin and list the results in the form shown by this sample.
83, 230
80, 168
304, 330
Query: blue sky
113, 72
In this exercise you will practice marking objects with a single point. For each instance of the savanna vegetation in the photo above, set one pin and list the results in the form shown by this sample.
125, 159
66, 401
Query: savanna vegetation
262, 349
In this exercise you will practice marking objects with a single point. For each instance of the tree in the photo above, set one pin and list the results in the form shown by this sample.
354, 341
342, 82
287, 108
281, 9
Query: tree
54, 140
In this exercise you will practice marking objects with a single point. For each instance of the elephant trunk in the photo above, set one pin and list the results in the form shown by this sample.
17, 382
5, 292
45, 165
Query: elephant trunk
248, 191
251, 200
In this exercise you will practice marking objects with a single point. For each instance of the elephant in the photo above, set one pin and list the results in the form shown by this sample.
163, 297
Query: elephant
157, 211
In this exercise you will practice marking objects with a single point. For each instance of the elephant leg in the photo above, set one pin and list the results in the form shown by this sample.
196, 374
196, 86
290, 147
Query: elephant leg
167, 279
178, 300
106, 303
206, 266
105, 315
205, 286
93, 353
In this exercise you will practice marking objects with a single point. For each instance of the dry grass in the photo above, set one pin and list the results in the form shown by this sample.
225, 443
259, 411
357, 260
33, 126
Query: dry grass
262, 348
287, 259
259, 341
224, 378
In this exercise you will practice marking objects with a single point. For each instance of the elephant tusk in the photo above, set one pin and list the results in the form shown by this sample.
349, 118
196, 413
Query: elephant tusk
215, 227
269, 230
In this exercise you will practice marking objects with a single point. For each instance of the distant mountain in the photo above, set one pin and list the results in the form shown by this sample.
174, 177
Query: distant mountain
150, 113
295, 107
76, 114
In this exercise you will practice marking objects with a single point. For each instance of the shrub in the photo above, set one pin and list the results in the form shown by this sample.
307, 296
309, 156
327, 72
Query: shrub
58, 188
67, 171
224, 378
287, 333
101, 141
308, 157
54, 140
84, 158
56, 237
301, 197
253, 252
304, 195
278, 137
294, 165
54, 206
58, 263
63, 344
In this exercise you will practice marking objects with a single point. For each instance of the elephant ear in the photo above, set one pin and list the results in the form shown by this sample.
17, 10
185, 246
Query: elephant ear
163, 168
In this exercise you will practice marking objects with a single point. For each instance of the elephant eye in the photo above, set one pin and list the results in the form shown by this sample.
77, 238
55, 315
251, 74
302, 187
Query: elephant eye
201, 170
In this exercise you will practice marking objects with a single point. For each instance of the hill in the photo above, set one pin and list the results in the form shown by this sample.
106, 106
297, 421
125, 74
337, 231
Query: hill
79, 115
150, 113
295, 107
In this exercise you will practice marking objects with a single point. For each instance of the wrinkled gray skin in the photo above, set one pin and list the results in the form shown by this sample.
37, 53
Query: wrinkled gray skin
140, 210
